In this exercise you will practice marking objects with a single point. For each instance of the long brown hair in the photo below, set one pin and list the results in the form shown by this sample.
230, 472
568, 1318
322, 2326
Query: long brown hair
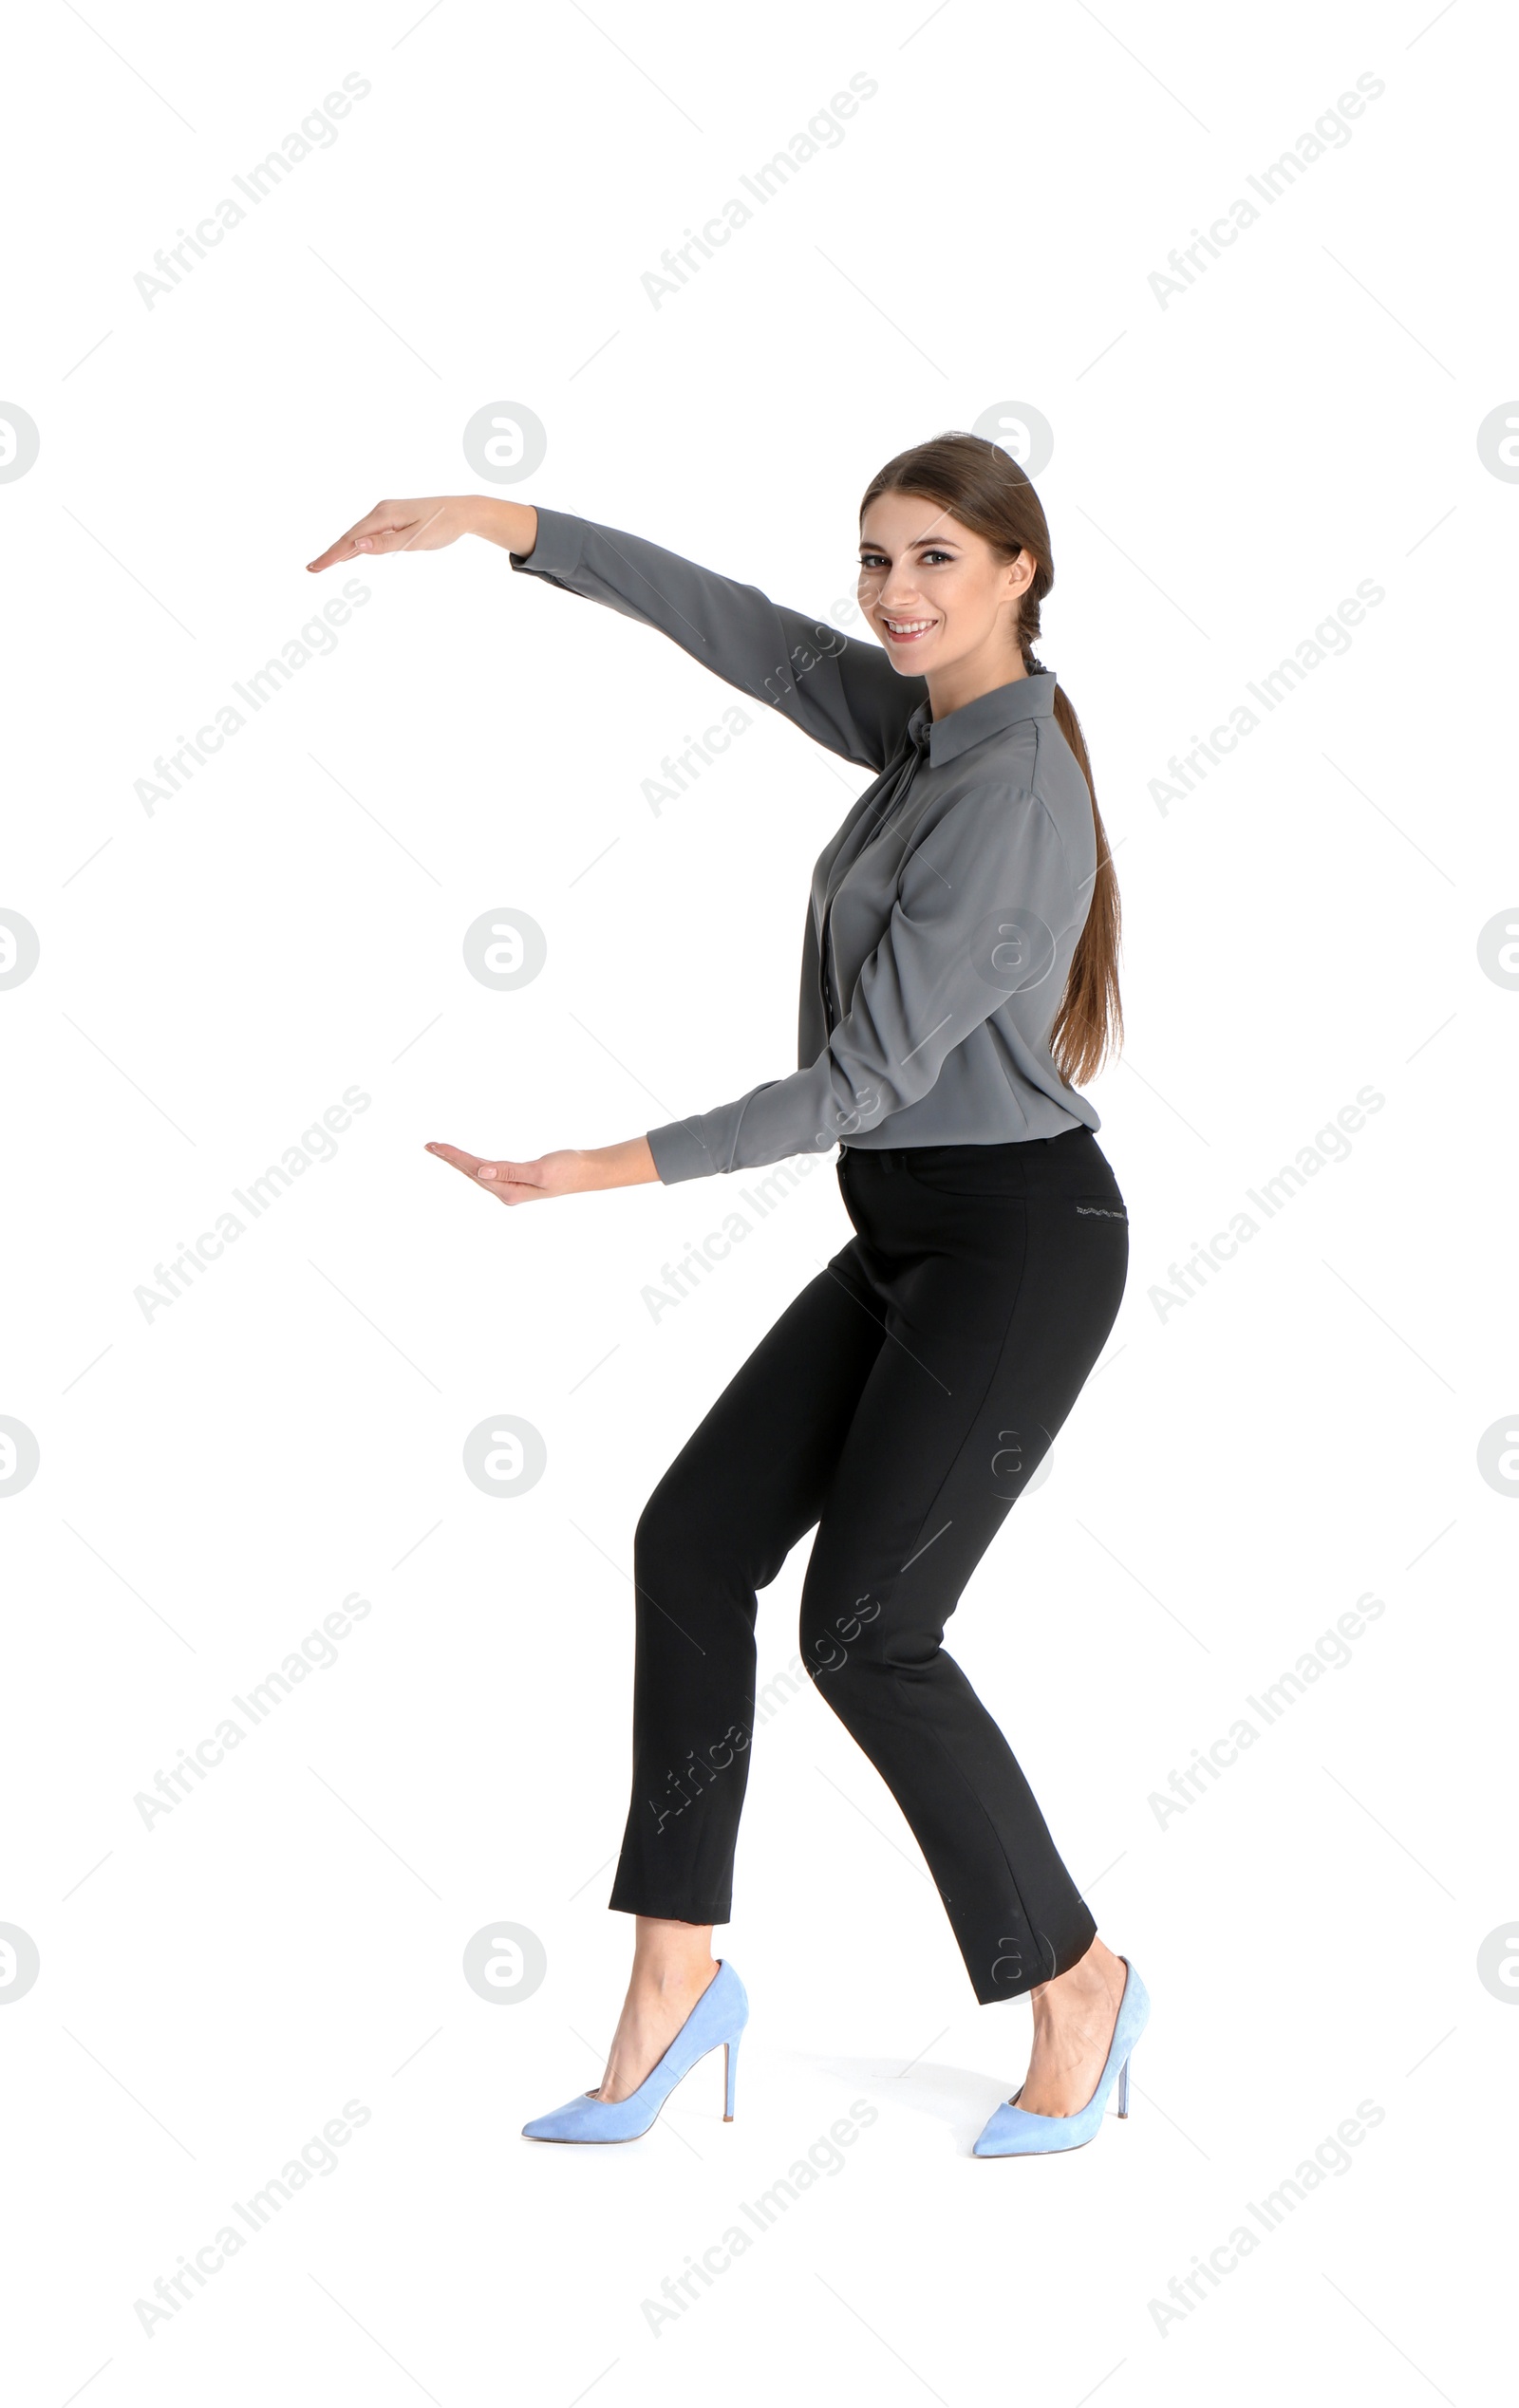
979, 484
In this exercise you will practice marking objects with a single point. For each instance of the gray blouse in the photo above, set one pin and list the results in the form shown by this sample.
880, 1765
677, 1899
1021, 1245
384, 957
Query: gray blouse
943, 912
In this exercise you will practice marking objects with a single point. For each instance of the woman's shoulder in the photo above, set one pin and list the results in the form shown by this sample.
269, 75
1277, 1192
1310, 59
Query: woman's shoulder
1018, 795
1030, 758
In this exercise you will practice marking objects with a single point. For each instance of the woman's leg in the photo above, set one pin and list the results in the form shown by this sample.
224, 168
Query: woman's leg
1073, 2030
672, 1965
1001, 1304
749, 1482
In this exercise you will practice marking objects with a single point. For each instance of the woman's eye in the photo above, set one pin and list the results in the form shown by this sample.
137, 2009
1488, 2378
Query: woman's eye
934, 555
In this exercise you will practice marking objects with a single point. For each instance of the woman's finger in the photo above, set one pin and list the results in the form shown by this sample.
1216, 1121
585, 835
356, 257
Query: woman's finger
519, 1175
468, 1164
390, 527
510, 1181
348, 544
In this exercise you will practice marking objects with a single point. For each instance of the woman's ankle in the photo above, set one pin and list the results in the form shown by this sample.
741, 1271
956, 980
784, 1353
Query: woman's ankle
1095, 1974
671, 1958
671, 1978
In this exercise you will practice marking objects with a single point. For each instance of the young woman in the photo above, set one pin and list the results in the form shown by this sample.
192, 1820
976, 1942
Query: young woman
959, 976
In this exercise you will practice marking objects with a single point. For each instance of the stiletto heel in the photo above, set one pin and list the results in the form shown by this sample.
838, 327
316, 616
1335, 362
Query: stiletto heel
1014, 2132
715, 2020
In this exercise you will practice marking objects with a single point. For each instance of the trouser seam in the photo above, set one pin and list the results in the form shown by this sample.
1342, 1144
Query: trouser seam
900, 1687
1002, 1354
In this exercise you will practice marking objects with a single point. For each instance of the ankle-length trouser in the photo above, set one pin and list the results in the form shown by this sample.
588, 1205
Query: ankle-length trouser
901, 1403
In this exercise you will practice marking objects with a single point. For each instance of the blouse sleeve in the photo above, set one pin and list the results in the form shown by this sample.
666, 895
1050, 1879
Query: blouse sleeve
837, 689
980, 908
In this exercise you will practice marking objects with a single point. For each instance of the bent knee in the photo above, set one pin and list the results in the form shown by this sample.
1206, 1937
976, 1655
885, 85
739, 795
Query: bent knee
835, 1638
692, 1535
663, 1528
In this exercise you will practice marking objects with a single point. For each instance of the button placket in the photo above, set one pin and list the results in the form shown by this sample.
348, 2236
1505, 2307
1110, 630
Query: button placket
891, 811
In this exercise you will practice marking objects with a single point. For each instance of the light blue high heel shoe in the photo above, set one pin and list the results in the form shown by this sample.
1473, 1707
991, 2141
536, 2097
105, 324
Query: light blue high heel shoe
1012, 2132
716, 2021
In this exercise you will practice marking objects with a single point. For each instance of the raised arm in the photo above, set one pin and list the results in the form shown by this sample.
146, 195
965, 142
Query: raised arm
838, 689
841, 690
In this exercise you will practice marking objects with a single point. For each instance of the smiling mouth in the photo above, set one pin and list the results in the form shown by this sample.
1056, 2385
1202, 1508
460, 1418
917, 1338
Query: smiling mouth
907, 630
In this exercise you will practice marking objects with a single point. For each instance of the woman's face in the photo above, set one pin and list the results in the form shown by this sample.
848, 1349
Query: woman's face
936, 594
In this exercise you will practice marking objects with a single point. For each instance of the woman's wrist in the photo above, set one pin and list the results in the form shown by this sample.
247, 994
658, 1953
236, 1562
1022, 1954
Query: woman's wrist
513, 525
630, 1163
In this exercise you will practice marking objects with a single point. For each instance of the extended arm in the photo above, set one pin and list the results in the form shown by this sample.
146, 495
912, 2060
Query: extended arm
838, 689
982, 905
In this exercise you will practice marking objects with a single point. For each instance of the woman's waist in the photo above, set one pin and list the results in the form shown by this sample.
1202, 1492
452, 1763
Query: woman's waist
1070, 1163
1065, 1144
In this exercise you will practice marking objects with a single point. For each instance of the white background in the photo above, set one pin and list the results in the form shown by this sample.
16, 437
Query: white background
215, 1481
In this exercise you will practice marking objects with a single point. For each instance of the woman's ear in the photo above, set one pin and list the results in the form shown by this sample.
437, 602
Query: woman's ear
1020, 571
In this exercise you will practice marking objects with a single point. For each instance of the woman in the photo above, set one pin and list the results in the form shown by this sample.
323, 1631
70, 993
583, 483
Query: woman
959, 975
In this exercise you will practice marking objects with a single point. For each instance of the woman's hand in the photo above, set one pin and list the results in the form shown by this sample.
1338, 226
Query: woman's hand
428, 526
571, 1171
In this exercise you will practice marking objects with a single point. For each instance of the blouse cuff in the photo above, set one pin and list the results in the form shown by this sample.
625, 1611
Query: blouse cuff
556, 550
679, 1152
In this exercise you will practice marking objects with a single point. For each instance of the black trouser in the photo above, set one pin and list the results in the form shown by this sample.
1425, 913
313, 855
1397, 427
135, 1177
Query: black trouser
901, 1403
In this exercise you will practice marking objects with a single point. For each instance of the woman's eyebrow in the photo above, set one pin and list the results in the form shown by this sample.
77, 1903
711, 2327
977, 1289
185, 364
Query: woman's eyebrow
919, 543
